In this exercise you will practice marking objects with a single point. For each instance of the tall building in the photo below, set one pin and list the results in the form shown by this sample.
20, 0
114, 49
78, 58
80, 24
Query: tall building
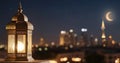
72, 37
103, 36
84, 37
42, 42
62, 38
68, 38
19, 31
110, 42
92, 40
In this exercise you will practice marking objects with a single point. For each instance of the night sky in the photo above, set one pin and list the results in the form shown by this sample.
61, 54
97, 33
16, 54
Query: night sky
49, 17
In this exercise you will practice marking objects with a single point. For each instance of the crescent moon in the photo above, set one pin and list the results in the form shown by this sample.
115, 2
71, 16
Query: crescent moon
109, 16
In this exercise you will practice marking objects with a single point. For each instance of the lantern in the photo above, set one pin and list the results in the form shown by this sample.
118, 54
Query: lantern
19, 37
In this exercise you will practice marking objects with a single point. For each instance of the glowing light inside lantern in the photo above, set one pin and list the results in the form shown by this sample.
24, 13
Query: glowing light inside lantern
20, 46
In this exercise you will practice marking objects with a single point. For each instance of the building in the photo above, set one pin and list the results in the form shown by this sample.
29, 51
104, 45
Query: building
63, 34
84, 38
103, 36
68, 38
42, 42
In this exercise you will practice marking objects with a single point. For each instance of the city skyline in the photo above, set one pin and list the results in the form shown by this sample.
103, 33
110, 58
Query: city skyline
50, 17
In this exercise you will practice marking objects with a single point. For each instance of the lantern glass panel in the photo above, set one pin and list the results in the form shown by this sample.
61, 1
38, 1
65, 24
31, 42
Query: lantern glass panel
11, 43
21, 43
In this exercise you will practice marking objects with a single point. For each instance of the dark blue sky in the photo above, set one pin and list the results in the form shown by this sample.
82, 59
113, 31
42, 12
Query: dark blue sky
51, 16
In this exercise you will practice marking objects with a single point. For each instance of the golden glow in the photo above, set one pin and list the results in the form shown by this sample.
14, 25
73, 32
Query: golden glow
61, 40
103, 32
30, 58
76, 59
68, 62
19, 37
46, 45
11, 26
20, 46
117, 60
96, 40
30, 43
103, 25
36, 45
110, 36
71, 30
103, 35
63, 59
52, 61
49, 61
2, 46
62, 37
63, 32
41, 39
113, 42
11, 43
109, 16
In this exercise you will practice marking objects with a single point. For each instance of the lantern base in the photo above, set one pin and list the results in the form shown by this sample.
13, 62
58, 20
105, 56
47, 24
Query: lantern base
19, 57
10, 57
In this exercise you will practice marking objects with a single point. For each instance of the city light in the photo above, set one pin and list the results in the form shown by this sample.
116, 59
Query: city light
66, 48
96, 40
63, 32
40, 49
52, 43
84, 29
63, 59
76, 59
68, 62
49, 61
78, 44
20, 46
71, 30
2, 46
113, 42
71, 46
117, 60
46, 48
110, 37
46, 45
36, 45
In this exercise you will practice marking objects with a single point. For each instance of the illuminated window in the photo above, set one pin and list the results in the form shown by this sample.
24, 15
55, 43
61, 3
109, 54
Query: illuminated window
76, 59
21, 43
63, 59
11, 43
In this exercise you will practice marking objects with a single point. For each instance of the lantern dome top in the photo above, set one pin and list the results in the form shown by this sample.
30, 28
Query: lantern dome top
19, 21
19, 16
